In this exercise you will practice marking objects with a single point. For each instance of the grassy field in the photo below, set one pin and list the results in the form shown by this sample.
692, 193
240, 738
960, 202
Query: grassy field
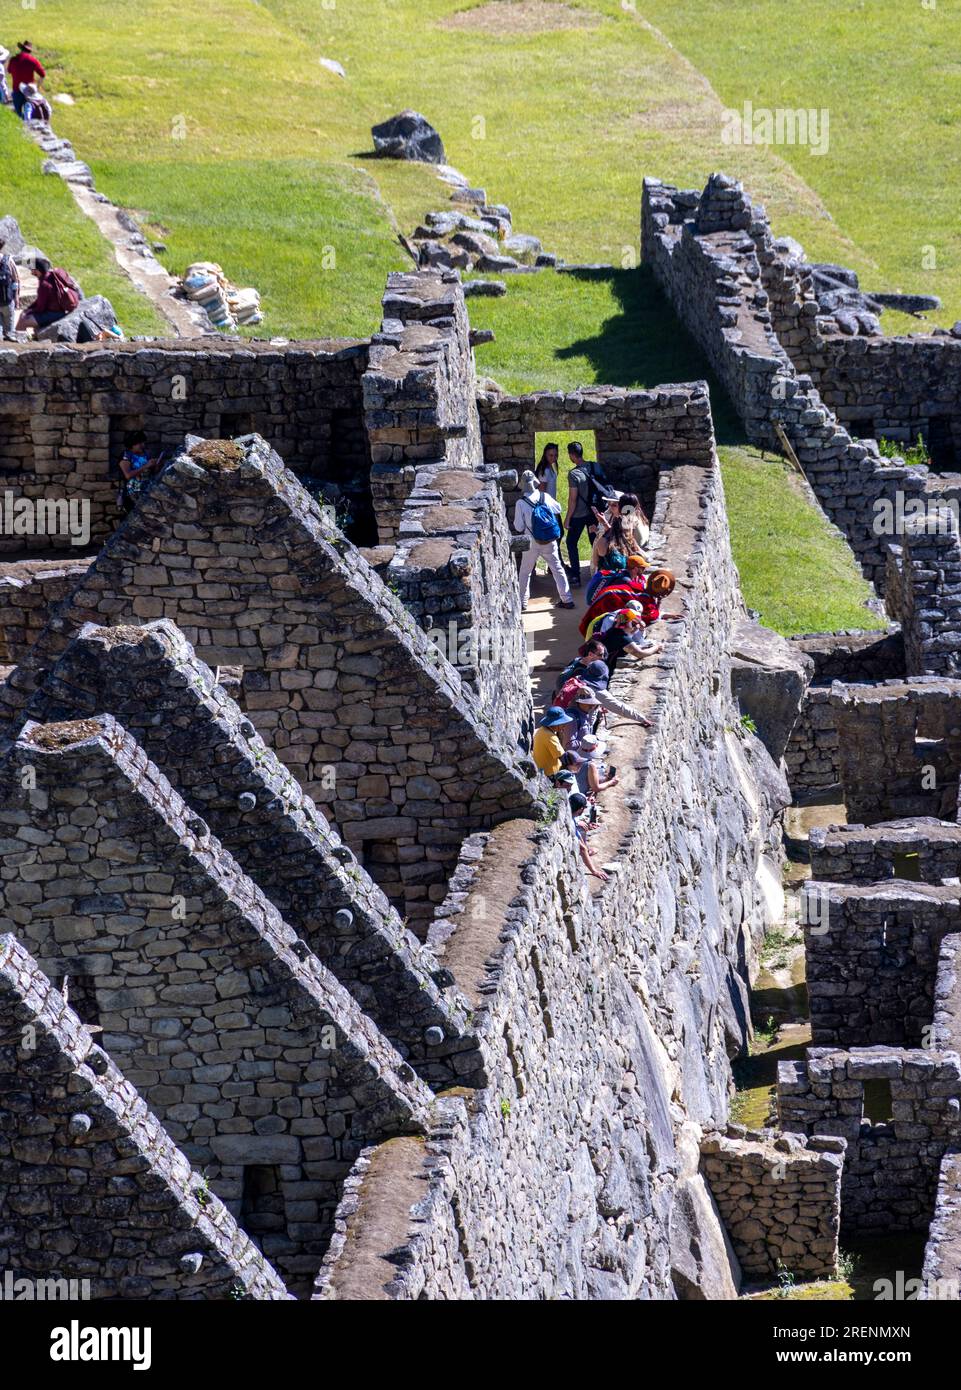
51, 220
231, 142
889, 76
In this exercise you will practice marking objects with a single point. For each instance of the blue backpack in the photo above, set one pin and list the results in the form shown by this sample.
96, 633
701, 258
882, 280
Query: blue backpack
544, 523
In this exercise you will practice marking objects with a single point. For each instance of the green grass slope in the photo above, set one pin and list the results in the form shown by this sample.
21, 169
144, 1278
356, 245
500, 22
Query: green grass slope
50, 219
228, 138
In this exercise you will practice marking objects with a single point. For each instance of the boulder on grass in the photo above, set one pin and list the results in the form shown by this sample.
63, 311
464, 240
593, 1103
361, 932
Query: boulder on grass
11, 237
91, 317
523, 248
409, 136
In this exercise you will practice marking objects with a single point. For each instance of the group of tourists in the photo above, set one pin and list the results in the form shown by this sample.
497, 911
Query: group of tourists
622, 597
21, 75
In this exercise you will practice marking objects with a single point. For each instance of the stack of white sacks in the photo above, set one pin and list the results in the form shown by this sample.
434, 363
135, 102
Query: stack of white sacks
226, 306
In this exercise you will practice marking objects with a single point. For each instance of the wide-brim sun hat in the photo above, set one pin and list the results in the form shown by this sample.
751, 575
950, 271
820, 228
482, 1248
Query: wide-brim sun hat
554, 717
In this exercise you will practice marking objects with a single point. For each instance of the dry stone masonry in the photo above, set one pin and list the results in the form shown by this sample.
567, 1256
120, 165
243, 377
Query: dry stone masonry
300, 910
94, 1190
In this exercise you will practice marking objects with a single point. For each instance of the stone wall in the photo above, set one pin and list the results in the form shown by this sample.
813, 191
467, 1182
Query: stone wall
872, 956
891, 1168
64, 412
899, 748
897, 388
371, 718
922, 848
941, 1270
29, 590
635, 431
454, 570
260, 1065
88, 1175
438, 502
419, 389
812, 754
715, 270
930, 598
608, 1024
151, 681
780, 1200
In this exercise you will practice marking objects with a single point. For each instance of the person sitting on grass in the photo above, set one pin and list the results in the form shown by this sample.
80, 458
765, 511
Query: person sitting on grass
137, 470
579, 807
550, 738
58, 294
35, 104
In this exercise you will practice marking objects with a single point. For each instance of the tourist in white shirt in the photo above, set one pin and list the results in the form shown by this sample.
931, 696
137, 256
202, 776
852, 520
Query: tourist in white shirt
536, 515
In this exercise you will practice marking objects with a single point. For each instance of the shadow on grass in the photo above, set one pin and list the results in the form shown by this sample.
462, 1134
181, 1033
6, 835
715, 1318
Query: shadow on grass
646, 345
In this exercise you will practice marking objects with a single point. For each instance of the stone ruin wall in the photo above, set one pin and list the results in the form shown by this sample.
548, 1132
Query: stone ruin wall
812, 755
664, 1010
712, 255
336, 674
85, 1143
780, 1200
545, 1158
890, 1178
64, 412
241, 1042
29, 590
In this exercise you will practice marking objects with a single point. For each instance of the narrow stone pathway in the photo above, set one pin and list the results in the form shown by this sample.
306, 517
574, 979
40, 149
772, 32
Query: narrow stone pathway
131, 250
553, 638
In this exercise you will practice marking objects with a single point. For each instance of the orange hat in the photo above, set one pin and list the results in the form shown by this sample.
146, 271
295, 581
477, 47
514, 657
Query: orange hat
660, 583
637, 562
625, 616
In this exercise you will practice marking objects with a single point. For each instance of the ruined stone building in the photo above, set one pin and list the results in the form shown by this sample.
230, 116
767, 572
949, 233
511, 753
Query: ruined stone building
303, 993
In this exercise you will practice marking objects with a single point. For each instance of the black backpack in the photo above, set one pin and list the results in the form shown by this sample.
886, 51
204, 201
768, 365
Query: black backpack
9, 282
598, 488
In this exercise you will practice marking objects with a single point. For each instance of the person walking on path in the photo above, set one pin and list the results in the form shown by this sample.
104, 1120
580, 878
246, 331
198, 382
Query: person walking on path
538, 515
587, 489
24, 68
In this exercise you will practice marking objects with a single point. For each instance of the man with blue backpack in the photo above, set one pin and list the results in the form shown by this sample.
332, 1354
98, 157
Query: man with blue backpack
538, 515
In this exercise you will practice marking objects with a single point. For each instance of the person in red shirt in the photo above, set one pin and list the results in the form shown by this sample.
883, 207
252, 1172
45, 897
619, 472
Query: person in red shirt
58, 294
23, 67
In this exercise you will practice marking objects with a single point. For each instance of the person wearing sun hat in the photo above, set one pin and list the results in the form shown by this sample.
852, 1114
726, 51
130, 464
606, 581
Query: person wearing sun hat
23, 67
550, 737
